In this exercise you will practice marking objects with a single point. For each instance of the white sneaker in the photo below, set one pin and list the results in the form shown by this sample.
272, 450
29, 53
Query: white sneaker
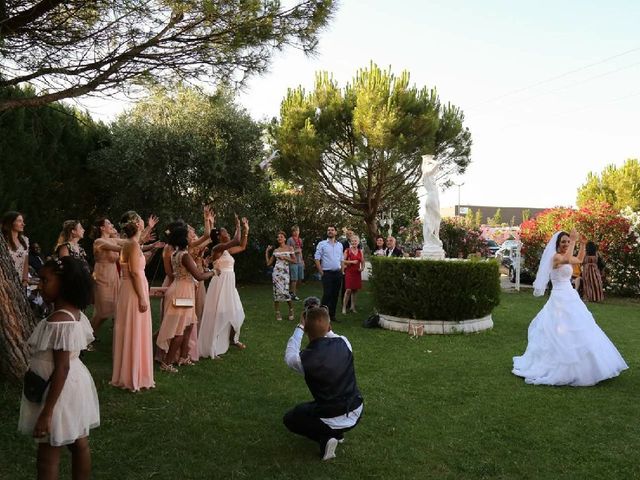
330, 449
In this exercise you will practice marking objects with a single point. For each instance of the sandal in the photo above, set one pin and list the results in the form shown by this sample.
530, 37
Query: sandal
184, 361
240, 345
291, 315
278, 316
167, 367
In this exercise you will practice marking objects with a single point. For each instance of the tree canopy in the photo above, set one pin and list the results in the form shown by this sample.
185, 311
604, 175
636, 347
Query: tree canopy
175, 150
362, 144
617, 186
72, 48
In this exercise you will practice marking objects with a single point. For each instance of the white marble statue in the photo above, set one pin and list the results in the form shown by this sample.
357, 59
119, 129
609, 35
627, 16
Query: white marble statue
432, 247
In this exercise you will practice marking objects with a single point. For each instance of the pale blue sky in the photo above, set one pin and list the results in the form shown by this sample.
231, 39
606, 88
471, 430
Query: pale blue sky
534, 142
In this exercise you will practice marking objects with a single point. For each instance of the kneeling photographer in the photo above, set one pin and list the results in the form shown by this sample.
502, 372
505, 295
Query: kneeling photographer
327, 366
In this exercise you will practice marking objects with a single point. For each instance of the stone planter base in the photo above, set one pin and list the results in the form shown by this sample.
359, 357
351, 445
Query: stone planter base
437, 327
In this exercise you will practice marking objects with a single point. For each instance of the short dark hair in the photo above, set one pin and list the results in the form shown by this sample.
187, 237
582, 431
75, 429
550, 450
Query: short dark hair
214, 235
178, 237
173, 225
76, 284
591, 248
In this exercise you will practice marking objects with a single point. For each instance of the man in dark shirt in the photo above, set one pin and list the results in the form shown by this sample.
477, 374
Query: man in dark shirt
327, 366
392, 250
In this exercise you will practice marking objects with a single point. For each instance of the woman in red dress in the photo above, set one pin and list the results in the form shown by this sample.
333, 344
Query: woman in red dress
352, 265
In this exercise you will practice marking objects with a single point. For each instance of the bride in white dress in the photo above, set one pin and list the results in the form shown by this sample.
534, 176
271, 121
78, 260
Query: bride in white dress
565, 345
223, 315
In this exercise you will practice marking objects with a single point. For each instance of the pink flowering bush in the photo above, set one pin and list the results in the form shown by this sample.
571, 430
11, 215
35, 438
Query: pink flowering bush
598, 221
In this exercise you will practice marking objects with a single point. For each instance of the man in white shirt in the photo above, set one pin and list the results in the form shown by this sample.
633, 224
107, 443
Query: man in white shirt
327, 366
328, 258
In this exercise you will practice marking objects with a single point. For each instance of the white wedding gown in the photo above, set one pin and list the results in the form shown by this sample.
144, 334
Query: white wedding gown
566, 346
222, 311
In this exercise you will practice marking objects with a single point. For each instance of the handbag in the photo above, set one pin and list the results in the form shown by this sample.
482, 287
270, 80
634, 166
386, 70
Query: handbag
184, 302
372, 321
415, 330
34, 386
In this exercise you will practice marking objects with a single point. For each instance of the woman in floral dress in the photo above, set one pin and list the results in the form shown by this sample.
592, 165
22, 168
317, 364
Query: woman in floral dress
283, 256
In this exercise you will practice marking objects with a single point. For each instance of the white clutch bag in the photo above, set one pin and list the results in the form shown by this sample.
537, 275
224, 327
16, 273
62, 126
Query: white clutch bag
184, 302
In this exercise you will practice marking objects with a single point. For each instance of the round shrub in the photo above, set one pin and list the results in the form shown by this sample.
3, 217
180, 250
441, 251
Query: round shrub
435, 290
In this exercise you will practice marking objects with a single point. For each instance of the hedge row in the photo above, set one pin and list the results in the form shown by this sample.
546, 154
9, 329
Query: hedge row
435, 290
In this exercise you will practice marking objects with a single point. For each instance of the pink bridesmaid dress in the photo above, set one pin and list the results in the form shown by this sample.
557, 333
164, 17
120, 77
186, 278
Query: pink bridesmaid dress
132, 336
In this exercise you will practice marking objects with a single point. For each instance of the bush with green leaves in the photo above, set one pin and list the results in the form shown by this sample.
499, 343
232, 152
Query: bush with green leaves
461, 239
435, 290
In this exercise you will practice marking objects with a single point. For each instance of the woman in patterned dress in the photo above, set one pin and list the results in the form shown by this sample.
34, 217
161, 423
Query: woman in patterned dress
13, 232
283, 256
591, 278
67, 244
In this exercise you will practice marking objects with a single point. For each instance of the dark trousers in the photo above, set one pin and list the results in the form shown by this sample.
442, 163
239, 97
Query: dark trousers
331, 282
301, 420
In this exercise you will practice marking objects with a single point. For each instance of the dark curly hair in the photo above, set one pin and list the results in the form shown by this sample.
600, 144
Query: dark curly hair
76, 284
214, 235
178, 237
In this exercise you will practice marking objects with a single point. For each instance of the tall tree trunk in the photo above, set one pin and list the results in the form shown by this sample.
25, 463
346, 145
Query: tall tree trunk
16, 319
372, 228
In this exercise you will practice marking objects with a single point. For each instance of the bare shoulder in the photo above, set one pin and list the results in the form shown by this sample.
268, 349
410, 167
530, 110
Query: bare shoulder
59, 316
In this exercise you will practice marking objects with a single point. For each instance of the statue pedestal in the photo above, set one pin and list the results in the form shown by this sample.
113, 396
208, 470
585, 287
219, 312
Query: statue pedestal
433, 252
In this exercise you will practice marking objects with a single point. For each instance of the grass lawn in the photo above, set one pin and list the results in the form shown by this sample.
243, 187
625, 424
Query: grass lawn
443, 407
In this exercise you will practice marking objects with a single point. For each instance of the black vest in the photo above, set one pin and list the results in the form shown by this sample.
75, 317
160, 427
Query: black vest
330, 376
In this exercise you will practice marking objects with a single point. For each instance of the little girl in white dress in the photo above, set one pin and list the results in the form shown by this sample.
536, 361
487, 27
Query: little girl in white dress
69, 406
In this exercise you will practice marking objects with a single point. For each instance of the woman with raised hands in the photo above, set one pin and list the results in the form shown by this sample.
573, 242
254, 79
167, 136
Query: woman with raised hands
179, 316
565, 345
223, 314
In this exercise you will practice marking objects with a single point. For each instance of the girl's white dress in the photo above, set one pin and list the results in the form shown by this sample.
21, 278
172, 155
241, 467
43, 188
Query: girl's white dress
222, 311
566, 346
77, 409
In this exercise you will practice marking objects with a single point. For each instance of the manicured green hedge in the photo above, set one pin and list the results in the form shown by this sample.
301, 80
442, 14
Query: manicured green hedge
435, 290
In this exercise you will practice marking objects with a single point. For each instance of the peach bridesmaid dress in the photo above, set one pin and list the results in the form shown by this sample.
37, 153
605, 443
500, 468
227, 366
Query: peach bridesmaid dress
107, 283
132, 336
176, 319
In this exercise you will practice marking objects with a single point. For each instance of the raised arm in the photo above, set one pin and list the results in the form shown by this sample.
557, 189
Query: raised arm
101, 243
567, 258
221, 247
244, 238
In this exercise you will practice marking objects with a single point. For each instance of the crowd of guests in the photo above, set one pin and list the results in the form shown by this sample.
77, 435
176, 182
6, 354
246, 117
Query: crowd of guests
117, 287
60, 404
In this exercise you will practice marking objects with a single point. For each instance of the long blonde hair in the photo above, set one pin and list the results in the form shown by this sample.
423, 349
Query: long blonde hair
65, 235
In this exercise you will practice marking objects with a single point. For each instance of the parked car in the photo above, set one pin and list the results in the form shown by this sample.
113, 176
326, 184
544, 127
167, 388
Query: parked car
510, 243
492, 247
505, 255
